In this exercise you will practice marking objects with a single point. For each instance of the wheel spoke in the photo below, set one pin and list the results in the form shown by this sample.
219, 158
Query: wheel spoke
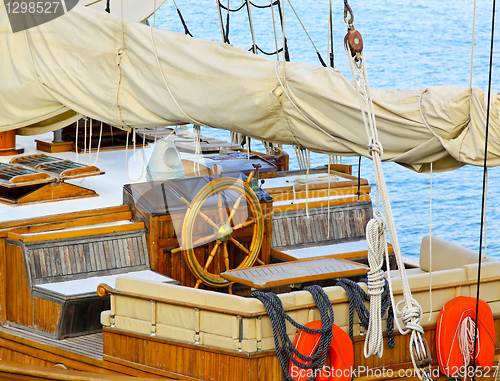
245, 224
240, 246
212, 254
203, 215
226, 255
202, 241
235, 206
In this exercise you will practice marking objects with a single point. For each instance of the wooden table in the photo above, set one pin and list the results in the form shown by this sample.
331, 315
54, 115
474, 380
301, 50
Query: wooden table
301, 271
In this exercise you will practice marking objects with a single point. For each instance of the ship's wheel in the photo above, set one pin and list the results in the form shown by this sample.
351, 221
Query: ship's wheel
234, 198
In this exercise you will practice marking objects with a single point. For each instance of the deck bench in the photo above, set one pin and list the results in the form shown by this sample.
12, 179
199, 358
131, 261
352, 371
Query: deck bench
65, 267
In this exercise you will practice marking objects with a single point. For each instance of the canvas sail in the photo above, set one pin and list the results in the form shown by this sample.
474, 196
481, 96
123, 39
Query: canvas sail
130, 75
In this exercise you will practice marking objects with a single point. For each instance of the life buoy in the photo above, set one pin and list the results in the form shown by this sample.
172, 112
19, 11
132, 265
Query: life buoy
341, 353
453, 316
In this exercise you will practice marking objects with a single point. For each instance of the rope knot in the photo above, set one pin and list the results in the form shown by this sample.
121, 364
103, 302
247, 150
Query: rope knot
411, 315
375, 146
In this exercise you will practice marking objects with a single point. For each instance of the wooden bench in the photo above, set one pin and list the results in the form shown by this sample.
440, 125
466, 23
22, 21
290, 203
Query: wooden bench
62, 270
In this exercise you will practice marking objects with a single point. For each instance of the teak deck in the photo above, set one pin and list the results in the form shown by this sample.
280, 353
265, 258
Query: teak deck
302, 271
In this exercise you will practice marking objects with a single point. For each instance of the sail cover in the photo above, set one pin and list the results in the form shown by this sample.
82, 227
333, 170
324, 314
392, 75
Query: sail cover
130, 75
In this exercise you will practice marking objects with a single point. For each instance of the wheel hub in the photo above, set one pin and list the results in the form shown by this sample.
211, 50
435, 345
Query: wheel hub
224, 233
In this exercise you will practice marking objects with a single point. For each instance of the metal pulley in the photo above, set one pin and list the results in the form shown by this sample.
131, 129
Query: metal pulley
354, 40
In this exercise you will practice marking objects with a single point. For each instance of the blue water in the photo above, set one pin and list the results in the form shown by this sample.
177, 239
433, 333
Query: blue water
408, 44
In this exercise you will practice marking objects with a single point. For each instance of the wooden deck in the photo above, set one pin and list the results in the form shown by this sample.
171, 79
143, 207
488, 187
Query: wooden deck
88, 345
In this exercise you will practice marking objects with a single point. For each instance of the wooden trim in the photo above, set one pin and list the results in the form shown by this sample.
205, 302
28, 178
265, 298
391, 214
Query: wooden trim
84, 221
75, 233
149, 369
336, 185
17, 371
63, 216
3, 282
364, 190
320, 204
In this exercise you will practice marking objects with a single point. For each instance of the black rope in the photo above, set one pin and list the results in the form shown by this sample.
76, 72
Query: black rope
276, 2
331, 54
186, 30
226, 35
485, 171
287, 55
357, 296
285, 349
107, 7
264, 52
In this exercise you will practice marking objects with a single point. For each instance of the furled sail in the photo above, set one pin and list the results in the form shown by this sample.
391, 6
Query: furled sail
130, 75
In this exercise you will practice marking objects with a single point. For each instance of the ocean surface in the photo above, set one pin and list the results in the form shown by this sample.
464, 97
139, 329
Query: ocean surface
407, 44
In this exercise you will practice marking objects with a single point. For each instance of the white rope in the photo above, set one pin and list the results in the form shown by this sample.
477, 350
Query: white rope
247, 143
275, 34
466, 340
126, 158
430, 243
197, 149
411, 312
377, 245
90, 142
85, 137
194, 121
76, 140
249, 10
98, 146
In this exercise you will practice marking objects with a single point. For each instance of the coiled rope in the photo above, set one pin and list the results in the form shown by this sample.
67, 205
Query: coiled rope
284, 346
357, 296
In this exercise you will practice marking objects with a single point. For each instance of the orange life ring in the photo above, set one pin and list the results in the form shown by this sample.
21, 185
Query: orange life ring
341, 353
453, 313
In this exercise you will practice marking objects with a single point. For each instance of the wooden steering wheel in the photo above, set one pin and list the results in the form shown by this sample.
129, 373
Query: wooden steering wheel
223, 226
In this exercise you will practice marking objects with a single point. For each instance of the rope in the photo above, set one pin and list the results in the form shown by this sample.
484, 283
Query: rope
308, 36
197, 151
284, 347
307, 182
98, 145
466, 339
274, 29
186, 29
249, 11
411, 312
126, 157
485, 177
76, 140
357, 296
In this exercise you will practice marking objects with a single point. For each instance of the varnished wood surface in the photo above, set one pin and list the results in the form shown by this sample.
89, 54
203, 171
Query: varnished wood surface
302, 271
291, 229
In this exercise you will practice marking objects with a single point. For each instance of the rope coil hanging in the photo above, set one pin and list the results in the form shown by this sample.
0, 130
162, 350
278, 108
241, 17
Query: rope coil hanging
411, 311
285, 349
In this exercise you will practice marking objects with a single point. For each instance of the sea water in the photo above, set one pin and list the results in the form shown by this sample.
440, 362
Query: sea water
407, 44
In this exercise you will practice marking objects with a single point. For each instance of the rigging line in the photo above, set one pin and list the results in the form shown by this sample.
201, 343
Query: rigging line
186, 30
229, 9
485, 173
227, 25
193, 120
472, 47
263, 6
308, 36
250, 21
289, 97
330, 53
264, 52
275, 34
219, 5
